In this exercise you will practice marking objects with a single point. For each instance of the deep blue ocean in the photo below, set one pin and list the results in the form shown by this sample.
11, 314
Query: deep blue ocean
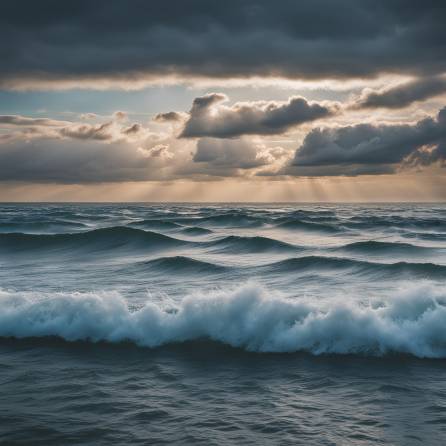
232, 324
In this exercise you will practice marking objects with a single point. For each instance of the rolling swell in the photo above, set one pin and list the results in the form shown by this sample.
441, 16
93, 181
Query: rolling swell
256, 244
309, 226
182, 265
411, 322
41, 226
419, 270
154, 224
235, 219
383, 222
430, 236
372, 246
97, 239
195, 230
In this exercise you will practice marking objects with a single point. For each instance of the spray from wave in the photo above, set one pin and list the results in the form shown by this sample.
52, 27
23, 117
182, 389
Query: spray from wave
412, 322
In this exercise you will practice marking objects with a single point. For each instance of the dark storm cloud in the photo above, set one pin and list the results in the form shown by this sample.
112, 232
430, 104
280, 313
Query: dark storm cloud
83, 39
403, 95
208, 117
366, 148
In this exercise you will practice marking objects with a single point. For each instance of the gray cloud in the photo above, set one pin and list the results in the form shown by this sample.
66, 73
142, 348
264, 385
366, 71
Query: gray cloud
18, 120
133, 129
87, 131
240, 154
233, 157
170, 117
107, 131
51, 40
121, 151
52, 160
403, 95
366, 148
41, 127
210, 117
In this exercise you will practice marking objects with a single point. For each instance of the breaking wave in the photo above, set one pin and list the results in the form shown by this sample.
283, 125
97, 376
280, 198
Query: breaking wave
411, 322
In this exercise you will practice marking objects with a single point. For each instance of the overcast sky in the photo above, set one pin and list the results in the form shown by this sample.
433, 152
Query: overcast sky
204, 100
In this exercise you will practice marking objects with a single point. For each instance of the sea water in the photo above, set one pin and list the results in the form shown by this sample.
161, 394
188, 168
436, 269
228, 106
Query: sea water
222, 324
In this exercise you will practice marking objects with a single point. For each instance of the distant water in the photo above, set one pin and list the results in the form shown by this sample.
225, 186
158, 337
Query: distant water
222, 324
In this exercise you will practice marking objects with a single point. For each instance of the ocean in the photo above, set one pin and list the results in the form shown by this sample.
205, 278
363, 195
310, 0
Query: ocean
222, 324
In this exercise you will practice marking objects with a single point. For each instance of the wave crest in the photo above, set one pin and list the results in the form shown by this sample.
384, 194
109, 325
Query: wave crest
411, 322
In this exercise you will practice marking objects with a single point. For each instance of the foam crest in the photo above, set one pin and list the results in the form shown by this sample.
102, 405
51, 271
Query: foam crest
411, 322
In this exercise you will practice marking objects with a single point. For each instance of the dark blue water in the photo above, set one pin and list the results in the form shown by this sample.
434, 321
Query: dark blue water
222, 324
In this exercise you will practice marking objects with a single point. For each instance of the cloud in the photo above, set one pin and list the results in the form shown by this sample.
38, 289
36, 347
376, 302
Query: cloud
210, 117
17, 120
133, 129
70, 162
403, 95
114, 129
88, 161
116, 150
88, 116
120, 115
158, 151
170, 117
76, 152
98, 43
87, 131
233, 157
241, 154
369, 149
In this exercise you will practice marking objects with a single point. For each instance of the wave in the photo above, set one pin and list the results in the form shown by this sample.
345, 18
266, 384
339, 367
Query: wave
412, 322
154, 224
421, 270
395, 221
372, 246
309, 226
182, 265
430, 236
231, 219
195, 230
105, 238
41, 226
256, 244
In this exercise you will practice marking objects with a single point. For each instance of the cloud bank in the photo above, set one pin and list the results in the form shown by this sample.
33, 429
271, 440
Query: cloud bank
98, 43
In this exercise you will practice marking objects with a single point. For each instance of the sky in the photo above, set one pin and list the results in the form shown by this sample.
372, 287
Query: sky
241, 100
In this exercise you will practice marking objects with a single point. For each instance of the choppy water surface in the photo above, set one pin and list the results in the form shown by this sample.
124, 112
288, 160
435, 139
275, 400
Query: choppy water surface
222, 324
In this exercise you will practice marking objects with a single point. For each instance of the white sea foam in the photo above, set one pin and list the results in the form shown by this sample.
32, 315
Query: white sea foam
414, 321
